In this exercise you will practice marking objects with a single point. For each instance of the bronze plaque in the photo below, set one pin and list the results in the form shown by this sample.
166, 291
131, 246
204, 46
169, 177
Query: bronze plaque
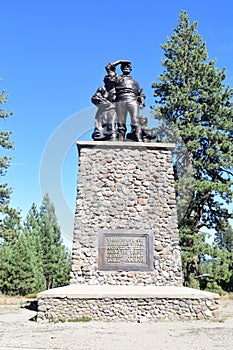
125, 250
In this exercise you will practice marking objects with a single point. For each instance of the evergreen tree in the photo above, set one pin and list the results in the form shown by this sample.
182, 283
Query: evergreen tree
20, 272
11, 225
219, 271
42, 226
34, 259
224, 237
193, 103
32, 221
32, 228
6, 257
6, 145
55, 257
9, 217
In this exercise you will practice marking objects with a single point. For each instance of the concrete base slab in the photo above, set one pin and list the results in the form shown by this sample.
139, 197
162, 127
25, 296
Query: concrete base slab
128, 291
128, 303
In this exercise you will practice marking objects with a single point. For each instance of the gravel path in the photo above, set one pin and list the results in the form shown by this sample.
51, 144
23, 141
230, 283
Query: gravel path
17, 331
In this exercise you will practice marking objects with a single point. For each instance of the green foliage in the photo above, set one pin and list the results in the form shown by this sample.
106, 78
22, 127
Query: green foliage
219, 271
33, 258
55, 257
82, 319
224, 236
11, 225
193, 282
6, 256
195, 109
214, 287
6, 144
20, 273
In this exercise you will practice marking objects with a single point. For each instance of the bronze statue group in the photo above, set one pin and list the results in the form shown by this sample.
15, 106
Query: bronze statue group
120, 95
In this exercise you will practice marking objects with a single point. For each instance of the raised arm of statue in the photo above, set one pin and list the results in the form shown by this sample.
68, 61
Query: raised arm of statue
111, 66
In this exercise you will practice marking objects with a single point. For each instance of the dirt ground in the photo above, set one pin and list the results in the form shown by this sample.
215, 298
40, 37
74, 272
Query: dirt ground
19, 331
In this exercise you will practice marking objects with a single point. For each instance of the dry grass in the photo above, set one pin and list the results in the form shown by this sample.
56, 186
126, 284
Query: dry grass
6, 300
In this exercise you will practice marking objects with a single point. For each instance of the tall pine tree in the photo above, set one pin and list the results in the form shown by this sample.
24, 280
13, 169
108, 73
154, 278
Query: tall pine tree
55, 257
6, 144
20, 269
193, 103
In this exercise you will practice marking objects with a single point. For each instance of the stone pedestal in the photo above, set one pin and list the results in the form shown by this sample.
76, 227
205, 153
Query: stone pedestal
126, 261
126, 194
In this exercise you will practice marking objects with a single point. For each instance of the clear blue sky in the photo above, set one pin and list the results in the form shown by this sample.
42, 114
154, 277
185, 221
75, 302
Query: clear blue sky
53, 55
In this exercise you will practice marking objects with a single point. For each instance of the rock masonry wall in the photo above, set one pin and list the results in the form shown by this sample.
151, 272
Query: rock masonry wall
124, 186
127, 309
